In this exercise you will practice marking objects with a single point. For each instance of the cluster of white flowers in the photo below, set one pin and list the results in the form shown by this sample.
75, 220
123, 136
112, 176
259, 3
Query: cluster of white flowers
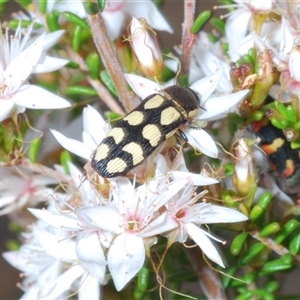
92, 229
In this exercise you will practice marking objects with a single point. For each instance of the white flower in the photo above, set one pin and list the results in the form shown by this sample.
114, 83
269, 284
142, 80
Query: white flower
49, 264
184, 218
212, 107
94, 130
32, 189
110, 231
115, 14
131, 211
90, 260
240, 22
18, 60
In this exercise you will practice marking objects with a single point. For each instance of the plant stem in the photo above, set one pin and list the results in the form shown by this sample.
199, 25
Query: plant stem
110, 60
188, 38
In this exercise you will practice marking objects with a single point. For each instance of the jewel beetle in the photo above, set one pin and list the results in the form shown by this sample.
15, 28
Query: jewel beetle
142, 130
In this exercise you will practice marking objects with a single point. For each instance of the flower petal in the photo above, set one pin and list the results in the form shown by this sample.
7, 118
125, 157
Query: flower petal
148, 11
90, 253
163, 223
195, 179
15, 75
221, 105
143, 87
89, 288
204, 243
125, 258
114, 21
73, 146
16, 259
211, 64
94, 125
102, 217
64, 281
49, 64
56, 220
52, 38
201, 140
34, 97
205, 213
55, 246
6, 108
205, 86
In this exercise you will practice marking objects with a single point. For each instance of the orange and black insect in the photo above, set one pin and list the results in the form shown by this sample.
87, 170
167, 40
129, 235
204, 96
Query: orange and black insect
284, 160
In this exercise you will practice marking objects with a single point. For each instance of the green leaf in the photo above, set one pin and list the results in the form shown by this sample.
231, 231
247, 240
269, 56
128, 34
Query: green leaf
93, 63
143, 279
234, 121
265, 199
34, 148
65, 158
101, 4
269, 229
275, 266
255, 116
105, 77
251, 253
291, 114
24, 3
237, 243
286, 230
43, 6
200, 20
256, 212
80, 90
218, 24
281, 124
252, 53
52, 21
91, 8
294, 245
76, 20
76, 40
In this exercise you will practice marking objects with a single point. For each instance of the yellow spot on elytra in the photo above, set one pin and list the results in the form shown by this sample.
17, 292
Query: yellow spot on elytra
169, 116
154, 102
136, 151
118, 134
101, 152
152, 134
116, 165
134, 118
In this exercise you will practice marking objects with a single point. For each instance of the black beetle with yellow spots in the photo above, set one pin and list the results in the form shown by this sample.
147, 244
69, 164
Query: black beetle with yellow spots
140, 132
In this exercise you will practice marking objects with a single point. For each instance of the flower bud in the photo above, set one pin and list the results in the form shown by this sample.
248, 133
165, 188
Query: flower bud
244, 172
145, 48
267, 76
